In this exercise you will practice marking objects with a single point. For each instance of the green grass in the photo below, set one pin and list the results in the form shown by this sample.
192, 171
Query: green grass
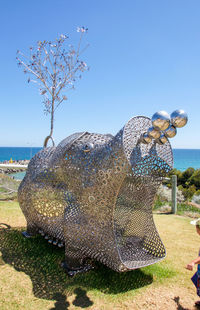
8, 187
31, 275
42, 262
158, 204
184, 207
11, 214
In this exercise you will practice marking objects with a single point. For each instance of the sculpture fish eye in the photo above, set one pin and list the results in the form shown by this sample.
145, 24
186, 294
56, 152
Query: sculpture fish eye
88, 147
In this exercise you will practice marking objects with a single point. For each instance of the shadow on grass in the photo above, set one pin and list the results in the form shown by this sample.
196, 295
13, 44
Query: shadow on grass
41, 261
177, 301
163, 213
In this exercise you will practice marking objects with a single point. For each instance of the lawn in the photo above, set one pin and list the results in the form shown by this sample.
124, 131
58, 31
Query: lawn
31, 276
8, 187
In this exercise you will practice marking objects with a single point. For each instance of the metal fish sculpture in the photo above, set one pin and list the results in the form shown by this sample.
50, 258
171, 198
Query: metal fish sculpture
93, 193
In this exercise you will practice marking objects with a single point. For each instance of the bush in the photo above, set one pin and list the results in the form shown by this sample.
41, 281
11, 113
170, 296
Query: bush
188, 182
186, 175
189, 192
195, 178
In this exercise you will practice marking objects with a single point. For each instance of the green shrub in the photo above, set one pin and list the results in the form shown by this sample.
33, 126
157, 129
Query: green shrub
195, 178
189, 192
188, 181
186, 175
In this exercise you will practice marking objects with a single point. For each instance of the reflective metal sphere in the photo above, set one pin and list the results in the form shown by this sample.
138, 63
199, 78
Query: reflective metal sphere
161, 120
170, 132
153, 133
162, 140
179, 118
145, 138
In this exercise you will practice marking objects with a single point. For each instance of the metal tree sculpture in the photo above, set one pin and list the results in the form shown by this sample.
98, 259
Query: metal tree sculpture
54, 69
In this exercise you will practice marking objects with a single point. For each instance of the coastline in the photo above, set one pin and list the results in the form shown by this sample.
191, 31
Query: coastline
15, 162
6, 167
16, 159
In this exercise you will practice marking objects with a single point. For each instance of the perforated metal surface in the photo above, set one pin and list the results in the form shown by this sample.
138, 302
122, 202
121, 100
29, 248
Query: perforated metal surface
94, 193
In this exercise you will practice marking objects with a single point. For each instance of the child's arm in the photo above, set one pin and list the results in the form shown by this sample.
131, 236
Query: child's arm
190, 266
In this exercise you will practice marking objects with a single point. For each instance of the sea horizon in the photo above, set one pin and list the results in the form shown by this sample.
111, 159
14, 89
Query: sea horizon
183, 158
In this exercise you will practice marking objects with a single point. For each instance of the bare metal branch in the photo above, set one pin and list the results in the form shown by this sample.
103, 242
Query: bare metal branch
55, 69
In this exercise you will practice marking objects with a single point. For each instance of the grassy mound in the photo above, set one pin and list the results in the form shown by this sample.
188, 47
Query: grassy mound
8, 187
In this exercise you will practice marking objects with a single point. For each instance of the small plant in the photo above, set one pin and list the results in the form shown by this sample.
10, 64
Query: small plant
158, 204
184, 207
54, 69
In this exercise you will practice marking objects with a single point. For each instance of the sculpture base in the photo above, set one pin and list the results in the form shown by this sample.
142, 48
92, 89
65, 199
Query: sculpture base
73, 272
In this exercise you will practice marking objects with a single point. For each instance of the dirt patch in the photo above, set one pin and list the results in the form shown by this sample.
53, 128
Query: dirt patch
162, 298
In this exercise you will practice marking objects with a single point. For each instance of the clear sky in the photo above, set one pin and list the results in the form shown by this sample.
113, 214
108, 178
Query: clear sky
144, 56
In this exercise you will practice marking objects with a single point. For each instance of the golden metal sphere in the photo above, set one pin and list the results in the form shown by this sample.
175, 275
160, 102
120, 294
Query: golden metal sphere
179, 118
161, 120
153, 133
170, 132
162, 140
145, 138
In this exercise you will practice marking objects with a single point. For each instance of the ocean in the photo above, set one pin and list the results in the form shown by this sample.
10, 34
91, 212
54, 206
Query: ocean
18, 153
183, 158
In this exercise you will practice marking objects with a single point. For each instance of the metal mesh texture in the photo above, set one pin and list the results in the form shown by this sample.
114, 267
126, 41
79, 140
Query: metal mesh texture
93, 193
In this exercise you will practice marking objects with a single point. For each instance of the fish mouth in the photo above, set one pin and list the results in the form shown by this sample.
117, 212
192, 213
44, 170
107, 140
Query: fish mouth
137, 240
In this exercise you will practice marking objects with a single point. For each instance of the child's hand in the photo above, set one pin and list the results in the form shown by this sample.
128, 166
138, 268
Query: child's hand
190, 266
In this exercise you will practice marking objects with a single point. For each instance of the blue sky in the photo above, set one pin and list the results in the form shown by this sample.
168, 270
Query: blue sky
144, 56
